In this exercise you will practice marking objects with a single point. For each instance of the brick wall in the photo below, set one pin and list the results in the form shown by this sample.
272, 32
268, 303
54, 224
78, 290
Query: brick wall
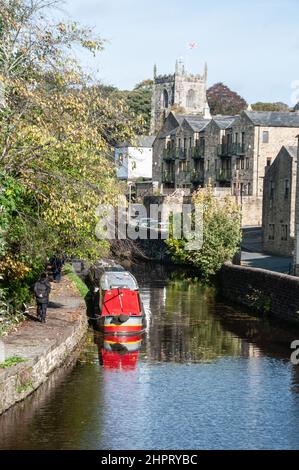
266, 291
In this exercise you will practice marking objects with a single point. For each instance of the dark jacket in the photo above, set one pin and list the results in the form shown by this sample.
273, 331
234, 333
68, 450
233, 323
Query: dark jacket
42, 290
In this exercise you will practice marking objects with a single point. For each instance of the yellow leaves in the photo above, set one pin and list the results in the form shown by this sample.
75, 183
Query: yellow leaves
13, 269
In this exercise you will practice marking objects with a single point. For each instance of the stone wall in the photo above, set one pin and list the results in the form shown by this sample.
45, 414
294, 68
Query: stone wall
43, 347
273, 293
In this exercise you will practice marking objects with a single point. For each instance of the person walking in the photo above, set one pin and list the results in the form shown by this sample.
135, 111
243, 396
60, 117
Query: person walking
42, 290
57, 263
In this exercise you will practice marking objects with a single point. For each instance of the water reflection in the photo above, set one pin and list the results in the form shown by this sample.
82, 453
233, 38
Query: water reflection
205, 375
118, 352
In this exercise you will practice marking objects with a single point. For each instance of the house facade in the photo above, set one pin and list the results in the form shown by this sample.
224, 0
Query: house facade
230, 153
279, 199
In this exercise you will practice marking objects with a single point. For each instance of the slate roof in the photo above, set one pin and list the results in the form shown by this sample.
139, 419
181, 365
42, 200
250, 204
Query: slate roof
141, 141
292, 150
145, 140
197, 125
224, 122
273, 118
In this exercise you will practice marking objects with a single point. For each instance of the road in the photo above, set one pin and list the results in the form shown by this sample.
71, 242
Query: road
252, 254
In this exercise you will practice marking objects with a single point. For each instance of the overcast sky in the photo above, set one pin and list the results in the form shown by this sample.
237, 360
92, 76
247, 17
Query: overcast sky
251, 46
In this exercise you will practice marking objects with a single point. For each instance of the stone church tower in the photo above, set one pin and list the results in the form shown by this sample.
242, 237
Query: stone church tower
181, 92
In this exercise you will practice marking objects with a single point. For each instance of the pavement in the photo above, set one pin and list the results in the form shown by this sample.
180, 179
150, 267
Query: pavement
252, 254
31, 338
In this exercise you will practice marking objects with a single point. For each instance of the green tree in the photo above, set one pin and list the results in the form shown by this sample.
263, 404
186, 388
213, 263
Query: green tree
139, 102
221, 235
260, 106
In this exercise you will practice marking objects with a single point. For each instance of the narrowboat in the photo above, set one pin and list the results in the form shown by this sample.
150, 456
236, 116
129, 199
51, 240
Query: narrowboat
120, 352
118, 309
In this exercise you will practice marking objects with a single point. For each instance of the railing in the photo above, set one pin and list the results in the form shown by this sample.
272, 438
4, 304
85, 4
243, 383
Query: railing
224, 175
183, 153
229, 149
168, 177
169, 154
197, 152
174, 153
197, 176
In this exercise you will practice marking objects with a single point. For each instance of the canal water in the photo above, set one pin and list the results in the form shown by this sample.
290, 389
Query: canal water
204, 376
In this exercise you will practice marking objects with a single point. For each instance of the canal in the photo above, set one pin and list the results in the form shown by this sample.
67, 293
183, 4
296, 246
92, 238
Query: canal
205, 375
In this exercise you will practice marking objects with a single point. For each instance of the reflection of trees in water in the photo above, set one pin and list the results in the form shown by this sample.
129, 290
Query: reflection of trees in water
183, 327
67, 403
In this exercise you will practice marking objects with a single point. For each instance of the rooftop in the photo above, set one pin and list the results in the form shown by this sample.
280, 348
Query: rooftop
141, 141
292, 150
224, 122
273, 118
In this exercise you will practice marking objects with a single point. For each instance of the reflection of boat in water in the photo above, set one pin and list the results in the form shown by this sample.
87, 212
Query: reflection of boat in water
119, 352
119, 309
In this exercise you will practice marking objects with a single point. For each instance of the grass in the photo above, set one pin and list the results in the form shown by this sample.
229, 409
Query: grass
11, 361
81, 286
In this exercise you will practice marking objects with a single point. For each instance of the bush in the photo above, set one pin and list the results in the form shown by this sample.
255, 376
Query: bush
221, 235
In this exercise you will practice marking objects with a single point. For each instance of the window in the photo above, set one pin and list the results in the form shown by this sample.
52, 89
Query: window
286, 189
269, 160
190, 101
271, 231
165, 99
247, 163
242, 163
183, 166
208, 165
238, 164
265, 137
272, 187
236, 137
243, 142
284, 232
249, 189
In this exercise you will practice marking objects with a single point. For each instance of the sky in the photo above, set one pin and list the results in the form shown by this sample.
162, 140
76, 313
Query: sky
250, 45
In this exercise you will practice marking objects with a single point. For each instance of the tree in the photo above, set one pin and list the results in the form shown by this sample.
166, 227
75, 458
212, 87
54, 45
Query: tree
56, 141
139, 101
224, 101
221, 235
260, 106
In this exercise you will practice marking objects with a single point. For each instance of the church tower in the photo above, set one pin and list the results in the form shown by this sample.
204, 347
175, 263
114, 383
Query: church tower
181, 92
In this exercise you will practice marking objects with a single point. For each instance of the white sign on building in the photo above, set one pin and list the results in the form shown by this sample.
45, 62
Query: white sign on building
135, 162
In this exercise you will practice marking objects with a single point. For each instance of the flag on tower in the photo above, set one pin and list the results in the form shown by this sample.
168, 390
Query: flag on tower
192, 45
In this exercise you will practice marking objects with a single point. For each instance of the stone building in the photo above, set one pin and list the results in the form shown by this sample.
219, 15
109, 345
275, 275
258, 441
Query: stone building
279, 197
231, 153
296, 249
253, 142
181, 91
178, 154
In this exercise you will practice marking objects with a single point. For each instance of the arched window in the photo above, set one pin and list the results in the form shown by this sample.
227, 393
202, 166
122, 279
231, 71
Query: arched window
190, 99
165, 99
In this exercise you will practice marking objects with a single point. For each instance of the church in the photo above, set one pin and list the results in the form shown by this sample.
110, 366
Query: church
181, 92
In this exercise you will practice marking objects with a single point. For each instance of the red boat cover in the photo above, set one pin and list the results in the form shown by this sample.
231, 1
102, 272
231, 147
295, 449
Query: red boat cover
118, 301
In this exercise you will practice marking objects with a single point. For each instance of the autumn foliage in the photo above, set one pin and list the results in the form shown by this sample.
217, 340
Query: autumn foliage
56, 142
